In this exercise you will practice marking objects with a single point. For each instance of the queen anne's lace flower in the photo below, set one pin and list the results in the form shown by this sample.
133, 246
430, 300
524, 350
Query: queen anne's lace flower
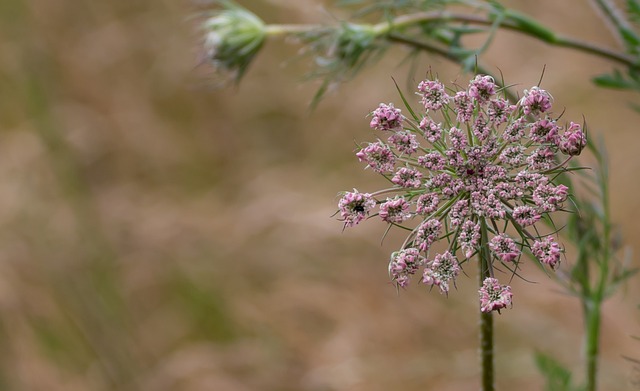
432, 161
469, 237
433, 94
513, 155
504, 248
548, 198
547, 251
544, 131
573, 140
432, 131
441, 270
405, 263
395, 210
499, 111
535, 101
474, 176
427, 233
493, 296
386, 117
378, 156
427, 203
482, 88
463, 106
541, 159
407, 178
404, 142
355, 206
525, 215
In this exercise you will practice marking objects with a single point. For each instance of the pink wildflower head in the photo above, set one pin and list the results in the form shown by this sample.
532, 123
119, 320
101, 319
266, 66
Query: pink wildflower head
434, 95
458, 138
525, 215
355, 206
386, 117
408, 178
513, 155
432, 161
404, 263
549, 198
493, 296
432, 130
528, 180
469, 237
377, 156
395, 210
499, 111
535, 101
482, 127
427, 233
482, 89
441, 270
459, 211
547, 251
514, 132
494, 164
541, 159
504, 248
573, 140
404, 142
544, 131
463, 106
427, 203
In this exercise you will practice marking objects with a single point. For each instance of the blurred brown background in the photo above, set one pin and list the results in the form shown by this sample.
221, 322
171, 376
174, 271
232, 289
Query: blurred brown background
161, 235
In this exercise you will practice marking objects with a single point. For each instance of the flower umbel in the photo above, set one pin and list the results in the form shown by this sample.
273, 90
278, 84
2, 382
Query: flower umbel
355, 206
466, 169
493, 296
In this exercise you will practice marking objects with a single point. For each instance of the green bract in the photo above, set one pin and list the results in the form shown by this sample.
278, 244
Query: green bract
234, 36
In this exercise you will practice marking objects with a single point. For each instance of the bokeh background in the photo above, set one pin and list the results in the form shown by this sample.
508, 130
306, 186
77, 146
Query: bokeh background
159, 234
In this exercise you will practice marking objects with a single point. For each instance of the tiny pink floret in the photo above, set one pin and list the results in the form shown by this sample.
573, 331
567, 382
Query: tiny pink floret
547, 251
493, 296
386, 117
441, 270
355, 206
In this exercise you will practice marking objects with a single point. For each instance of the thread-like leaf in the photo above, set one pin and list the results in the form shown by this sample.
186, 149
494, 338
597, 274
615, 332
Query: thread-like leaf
404, 100
633, 10
557, 376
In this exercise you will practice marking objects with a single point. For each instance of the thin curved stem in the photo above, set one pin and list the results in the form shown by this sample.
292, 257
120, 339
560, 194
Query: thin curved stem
619, 26
513, 22
611, 13
428, 47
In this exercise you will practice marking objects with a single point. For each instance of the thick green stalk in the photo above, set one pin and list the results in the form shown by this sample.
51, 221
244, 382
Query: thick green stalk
486, 319
592, 342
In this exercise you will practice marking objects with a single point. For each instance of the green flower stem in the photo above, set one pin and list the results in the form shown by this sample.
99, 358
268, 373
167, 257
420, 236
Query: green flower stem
593, 299
618, 23
394, 37
611, 13
512, 21
486, 319
486, 350
592, 341
428, 47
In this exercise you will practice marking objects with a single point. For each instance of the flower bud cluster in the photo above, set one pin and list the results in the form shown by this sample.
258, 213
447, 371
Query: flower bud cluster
471, 169
233, 36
